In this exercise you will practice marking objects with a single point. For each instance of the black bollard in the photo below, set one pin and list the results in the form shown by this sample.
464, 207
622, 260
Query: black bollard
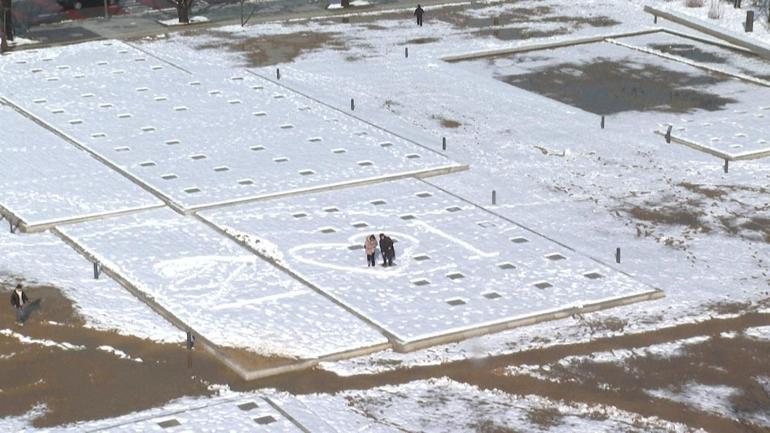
278, 73
749, 21
655, 19
727, 165
494, 197
617, 255
97, 271
352, 104
406, 51
443, 143
602, 122
668, 134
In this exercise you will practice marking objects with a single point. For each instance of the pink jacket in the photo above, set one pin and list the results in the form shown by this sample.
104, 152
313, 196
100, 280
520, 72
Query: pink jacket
370, 245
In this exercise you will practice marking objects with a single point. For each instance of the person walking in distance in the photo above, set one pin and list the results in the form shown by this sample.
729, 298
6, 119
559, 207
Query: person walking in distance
387, 250
18, 300
418, 13
370, 246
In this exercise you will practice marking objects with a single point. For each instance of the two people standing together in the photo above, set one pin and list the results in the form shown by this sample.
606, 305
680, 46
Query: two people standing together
387, 250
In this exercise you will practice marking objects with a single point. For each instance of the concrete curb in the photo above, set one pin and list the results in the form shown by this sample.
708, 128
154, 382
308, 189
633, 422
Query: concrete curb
756, 47
744, 156
544, 46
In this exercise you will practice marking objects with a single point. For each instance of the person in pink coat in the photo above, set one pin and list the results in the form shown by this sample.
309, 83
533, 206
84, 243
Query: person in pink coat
370, 247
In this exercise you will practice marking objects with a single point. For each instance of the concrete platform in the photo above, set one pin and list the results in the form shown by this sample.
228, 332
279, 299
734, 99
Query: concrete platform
46, 181
254, 317
207, 141
461, 271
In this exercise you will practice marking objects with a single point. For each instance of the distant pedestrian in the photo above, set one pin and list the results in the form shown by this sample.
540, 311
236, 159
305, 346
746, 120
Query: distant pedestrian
418, 13
370, 246
387, 250
19, 300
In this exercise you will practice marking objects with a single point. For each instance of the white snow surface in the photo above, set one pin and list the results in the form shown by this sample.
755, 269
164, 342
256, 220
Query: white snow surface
46, 180
218, 288
447, 251
43, 259
253, 138
42, 342
443, 405
759, 332
228, 411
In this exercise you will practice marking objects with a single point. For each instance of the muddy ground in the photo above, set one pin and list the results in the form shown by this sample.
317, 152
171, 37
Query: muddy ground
90, 383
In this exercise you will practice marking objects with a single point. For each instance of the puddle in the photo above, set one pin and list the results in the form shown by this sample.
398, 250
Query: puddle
608, 87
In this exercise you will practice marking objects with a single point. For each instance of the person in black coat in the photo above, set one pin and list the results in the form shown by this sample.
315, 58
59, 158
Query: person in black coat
387, 250
418, 13
18, 300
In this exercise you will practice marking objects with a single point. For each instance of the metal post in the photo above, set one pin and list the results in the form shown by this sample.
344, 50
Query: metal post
494, 197
617, 255
406, 51
278, 73
668, 134
655, 19
443, 143
749, 21
97, 271
727, 165
106, 10
352, 104
602, 122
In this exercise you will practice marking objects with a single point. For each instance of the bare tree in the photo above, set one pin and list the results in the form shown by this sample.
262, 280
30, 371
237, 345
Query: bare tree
6, 21
183, 10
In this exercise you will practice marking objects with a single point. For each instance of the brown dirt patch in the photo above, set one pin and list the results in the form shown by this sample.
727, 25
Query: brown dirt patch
420, 41
446, 123
91, 383
668, 215
273, 49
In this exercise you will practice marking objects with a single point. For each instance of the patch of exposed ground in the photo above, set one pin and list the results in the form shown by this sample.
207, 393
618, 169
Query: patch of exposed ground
446, 123
273, 49
608, 87
627, 390
40, 374
90, 383
701, 208
510, 24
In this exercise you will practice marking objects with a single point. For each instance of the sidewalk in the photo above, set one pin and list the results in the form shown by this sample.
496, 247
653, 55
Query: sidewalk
143, 21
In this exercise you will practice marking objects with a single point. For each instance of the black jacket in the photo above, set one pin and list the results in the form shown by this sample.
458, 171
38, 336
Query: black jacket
418, 12
15, 299
386, 246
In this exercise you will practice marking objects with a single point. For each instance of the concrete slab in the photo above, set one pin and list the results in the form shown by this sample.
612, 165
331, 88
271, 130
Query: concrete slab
253, 316
460, 270
204, 141
46, 181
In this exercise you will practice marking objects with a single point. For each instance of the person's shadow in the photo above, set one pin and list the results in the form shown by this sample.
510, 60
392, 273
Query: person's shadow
29, 309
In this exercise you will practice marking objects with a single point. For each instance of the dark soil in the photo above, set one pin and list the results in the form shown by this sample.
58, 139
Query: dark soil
607, 87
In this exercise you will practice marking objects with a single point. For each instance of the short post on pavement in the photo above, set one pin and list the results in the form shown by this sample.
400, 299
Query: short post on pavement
749, 26
617, 255
443, 143
406, 51
97, 270
494, 197
352, 104
668, 134
602, 121
727, 165
655, 19
278, 73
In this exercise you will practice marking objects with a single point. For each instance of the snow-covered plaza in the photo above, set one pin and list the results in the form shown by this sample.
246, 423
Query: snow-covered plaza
552, 241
